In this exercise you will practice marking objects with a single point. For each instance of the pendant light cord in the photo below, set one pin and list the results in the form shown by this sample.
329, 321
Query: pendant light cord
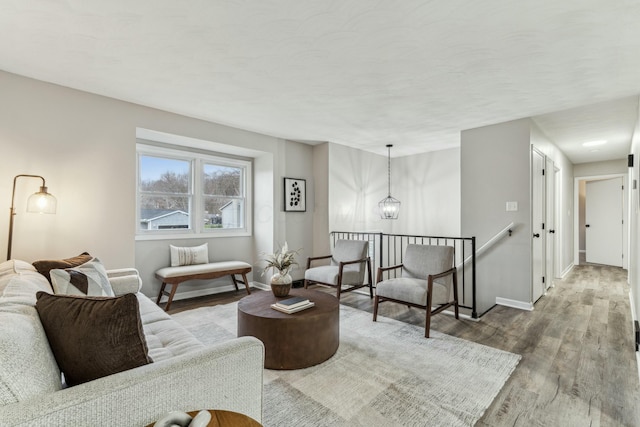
389, 168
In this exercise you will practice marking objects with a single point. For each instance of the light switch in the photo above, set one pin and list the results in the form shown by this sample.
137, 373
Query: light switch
512, 206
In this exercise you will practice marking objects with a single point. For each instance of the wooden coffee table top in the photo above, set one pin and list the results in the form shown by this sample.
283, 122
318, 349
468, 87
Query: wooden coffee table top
258, 304
292, 341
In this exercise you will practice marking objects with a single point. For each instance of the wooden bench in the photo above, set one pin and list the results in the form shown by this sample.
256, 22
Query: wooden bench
175, 275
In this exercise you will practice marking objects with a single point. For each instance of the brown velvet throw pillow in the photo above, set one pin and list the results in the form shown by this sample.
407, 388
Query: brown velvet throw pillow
45, 265
92, 337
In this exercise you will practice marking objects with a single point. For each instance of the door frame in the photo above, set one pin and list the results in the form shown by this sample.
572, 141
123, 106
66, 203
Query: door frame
543, 235
576, 214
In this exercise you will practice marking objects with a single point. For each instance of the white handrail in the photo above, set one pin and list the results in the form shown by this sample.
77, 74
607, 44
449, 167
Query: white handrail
492, 241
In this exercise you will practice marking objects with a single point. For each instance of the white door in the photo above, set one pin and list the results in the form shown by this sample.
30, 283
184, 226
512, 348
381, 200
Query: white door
538, 213
550, 227
603, 221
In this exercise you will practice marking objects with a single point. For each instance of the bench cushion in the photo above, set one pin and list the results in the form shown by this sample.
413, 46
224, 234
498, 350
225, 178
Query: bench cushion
213, 267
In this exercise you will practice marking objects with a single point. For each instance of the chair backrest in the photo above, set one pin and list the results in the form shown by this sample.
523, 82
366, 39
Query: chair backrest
422, 260
349, 250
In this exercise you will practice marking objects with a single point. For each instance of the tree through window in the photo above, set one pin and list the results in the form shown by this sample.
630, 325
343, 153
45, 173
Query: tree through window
200, 193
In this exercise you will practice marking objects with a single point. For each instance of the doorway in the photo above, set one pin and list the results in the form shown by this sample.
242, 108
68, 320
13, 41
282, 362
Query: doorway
601, 220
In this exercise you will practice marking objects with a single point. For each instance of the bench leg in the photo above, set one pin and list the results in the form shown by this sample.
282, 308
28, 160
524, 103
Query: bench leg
174, 286
235, 281
161, 292
246, 283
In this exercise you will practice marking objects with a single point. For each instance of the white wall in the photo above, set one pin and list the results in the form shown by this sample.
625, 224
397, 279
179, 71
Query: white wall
427, 185
298, 226
600, 168
634, 220
85, 147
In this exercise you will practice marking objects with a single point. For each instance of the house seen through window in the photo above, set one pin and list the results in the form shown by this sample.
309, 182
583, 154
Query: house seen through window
190, 192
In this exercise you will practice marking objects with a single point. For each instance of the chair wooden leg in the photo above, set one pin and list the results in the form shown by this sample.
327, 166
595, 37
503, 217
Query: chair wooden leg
370, 278
427, 323
455, 294
306, 283
375, 307
235, 281
338, 291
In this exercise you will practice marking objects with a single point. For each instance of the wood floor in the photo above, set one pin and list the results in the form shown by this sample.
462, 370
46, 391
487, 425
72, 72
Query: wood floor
578, 364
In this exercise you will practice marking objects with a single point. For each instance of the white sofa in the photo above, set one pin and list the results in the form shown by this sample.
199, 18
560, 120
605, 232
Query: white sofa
185, 375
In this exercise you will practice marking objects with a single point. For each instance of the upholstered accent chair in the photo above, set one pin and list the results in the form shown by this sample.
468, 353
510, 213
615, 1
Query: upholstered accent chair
346, 271
428, 280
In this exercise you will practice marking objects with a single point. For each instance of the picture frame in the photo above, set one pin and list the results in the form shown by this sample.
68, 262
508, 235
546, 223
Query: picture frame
295, 195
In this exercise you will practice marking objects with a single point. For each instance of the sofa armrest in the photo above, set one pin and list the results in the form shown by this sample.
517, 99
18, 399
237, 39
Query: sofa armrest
124, 281
224, 376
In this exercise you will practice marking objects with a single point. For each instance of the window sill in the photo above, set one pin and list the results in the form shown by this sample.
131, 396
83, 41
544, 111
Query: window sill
177, 236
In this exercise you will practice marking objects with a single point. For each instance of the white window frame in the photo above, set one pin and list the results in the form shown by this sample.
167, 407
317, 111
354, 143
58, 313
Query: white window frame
196, 217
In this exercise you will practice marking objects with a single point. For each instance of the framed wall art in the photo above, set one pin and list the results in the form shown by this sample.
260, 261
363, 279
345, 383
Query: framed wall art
295, 195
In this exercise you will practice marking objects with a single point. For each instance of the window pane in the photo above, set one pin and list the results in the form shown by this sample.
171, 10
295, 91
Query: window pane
222, 180
164, 212
223, 212
162, 175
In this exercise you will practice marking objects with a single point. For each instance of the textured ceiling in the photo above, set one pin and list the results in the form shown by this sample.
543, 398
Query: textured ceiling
362, 73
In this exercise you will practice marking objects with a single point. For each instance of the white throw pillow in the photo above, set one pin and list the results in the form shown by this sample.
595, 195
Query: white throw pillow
88, 279
190, 255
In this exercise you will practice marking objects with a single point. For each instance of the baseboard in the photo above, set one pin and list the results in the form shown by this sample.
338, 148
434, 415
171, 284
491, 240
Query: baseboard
213, 291
262, 286
521, 305
567, 271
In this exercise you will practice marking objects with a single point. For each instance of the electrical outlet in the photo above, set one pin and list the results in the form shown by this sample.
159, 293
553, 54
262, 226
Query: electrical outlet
512, 206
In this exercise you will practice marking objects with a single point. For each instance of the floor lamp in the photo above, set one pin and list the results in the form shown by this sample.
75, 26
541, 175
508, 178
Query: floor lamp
40, 202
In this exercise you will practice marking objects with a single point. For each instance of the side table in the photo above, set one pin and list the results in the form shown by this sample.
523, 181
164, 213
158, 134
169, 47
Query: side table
221, 418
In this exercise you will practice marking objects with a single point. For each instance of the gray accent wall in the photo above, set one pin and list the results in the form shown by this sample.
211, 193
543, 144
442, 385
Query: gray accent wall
495, 169
495, 164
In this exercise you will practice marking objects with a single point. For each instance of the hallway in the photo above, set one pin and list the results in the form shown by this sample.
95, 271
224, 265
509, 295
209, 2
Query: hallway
579, 366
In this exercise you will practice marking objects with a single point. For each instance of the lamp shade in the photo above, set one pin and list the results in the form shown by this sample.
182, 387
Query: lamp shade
42, 202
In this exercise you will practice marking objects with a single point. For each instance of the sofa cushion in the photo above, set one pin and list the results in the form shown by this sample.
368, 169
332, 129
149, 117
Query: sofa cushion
19, 282
88, 279
46, 265
92, 337
28, 366
165, 337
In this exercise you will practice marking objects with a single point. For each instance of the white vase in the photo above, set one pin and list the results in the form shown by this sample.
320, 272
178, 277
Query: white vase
281, 284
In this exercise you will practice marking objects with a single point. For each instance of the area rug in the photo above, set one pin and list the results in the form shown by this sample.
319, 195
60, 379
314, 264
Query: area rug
384, 373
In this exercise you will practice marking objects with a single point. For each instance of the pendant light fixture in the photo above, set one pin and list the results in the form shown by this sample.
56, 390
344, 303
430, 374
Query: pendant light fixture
389, 207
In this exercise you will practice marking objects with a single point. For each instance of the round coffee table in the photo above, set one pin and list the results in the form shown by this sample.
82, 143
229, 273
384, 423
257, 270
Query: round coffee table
292, 341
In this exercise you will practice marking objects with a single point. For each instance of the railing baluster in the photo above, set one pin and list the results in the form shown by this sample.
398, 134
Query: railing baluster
391, 247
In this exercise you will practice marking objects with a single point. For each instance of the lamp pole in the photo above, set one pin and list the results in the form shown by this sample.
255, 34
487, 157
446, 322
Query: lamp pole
12, 209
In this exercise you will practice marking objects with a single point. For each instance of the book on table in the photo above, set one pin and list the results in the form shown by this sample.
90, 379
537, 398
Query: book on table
293, 302
309, 304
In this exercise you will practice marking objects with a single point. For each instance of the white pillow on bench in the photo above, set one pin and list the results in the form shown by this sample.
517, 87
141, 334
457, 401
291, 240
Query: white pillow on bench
189, 255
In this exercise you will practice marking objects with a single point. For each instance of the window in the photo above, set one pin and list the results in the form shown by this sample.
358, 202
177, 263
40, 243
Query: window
180, 192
